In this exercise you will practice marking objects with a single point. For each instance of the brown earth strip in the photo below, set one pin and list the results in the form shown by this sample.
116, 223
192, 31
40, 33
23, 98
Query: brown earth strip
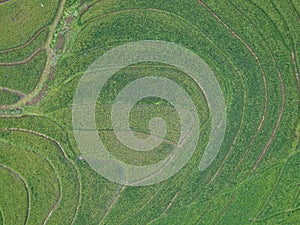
259, 128
23, 61
263, 76
64, 155
3, 1
13, 92
26, 43
295, 10
44, 78
113, 202
26, 188
282, 105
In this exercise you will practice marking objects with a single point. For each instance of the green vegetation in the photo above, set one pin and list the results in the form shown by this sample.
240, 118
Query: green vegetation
251, 46
7, 98
27, 51
13, 197
23, 77
39, 176
144, 110
19, 20
1, 218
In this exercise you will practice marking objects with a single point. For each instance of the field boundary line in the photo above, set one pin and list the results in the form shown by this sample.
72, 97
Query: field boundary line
275, 64
26, 188
64, 155
265, 84
277, 214
278, 120
263, 76
58, 200
295, 10
115, 198
280, 114
45, 73
156, 193
282, 89
13, 92
37, 33
36, 52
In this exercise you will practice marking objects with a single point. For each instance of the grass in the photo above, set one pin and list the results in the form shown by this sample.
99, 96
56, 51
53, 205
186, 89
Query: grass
13, 76
65, 171
1, 218
24, 53
13, 198
106, 7
8, 98
252, 47
40, 176
144, 111
19, 20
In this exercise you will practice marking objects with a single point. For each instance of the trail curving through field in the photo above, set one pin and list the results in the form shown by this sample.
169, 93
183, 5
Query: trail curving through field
16, 174
36, 52
13, 92
44, 76
281, 81
264, 80
259, 128
26, 43
69, 161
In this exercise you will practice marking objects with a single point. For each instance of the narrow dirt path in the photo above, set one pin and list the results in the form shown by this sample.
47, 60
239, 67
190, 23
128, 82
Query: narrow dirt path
252, 52
171, 202
26, 43
281, 112
279, 76
66, 157
295, 10
26, 188
113, 202
296, 72
13, 92
3, 1
45, 74
23, 61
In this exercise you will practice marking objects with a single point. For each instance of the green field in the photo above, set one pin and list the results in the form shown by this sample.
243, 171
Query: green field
20, 20
7, 98
23, 77
251, 46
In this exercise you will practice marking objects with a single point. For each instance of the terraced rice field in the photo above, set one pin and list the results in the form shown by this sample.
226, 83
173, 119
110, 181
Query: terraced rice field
252, 48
